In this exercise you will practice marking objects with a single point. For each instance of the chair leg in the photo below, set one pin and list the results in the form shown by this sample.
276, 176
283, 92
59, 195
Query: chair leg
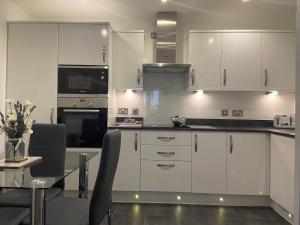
109, 217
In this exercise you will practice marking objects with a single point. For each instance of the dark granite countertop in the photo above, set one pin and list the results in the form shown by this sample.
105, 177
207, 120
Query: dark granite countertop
271, 130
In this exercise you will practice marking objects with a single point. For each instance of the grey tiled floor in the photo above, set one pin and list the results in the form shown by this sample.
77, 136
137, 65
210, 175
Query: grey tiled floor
157, 214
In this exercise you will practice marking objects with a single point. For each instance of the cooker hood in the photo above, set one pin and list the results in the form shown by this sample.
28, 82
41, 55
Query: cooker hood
165, 46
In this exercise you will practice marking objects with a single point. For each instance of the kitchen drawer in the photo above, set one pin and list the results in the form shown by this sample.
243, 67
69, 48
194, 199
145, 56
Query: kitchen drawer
165, 176
165, 152
165, 138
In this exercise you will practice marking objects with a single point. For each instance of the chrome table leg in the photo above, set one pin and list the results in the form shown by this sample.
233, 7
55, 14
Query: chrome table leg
38, 210
83, 175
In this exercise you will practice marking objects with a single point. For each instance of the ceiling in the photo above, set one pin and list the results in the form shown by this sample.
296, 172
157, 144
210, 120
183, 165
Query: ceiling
136, 12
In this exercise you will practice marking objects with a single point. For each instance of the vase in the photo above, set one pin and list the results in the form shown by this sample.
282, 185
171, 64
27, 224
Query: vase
14, 149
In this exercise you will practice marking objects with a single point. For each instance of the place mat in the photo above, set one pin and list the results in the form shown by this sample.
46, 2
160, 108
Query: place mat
31, 161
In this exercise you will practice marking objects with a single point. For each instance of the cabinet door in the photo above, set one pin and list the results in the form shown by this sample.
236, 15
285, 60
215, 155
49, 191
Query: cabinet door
283, 171
279, 58
128, 55
247, 164
205, 57
209, 163
241, 61
83, 44
128, 172
32, 67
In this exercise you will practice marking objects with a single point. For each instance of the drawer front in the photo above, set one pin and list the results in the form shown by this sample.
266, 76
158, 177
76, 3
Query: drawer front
164, 152
165, 176
166, 138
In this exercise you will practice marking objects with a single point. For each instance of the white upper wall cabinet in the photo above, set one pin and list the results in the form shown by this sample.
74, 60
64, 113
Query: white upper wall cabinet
247, 172
278, 60
241, 61
32, 67
128, 56
205, 57
83, 44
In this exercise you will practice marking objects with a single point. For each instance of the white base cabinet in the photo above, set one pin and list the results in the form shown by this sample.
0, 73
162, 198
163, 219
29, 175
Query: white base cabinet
283, 171
128, 172
209, 163
247, 172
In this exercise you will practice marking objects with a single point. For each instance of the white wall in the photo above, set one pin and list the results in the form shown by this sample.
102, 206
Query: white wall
8, 11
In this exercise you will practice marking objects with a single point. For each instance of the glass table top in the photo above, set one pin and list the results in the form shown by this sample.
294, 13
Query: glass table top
23, 178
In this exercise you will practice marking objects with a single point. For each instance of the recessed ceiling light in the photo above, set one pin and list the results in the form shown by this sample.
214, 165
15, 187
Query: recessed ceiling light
164, 1
246, 0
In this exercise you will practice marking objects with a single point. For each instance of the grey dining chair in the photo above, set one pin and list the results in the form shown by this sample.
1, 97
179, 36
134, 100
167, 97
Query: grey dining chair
12, 216
74, 211
49, 142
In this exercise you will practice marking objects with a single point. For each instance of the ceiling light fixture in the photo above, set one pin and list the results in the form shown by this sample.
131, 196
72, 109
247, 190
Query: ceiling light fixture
166, 22
246, 1
272, 93
164, 1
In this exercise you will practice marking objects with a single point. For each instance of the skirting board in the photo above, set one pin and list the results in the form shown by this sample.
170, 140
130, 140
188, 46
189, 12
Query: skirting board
283, 212
189, 198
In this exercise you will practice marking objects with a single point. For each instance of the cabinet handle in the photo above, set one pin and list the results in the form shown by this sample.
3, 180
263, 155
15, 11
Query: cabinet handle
193, 77
196, 143
136, 142
51, 116
231, 144
166, 138
166, 154
225, 78
266, 78
104, 54
164, 166
139, 76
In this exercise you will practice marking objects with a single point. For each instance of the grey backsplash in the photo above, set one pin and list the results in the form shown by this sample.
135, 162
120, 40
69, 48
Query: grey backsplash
166, 95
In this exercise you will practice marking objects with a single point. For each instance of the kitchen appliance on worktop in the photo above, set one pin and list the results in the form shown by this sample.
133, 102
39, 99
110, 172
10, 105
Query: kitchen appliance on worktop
284, 121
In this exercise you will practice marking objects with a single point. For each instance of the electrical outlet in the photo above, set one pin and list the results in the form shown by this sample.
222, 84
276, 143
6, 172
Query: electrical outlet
238, 113
224, 112
135, 112
123, 111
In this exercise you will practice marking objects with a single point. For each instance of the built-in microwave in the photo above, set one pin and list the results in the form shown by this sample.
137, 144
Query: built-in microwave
82, 79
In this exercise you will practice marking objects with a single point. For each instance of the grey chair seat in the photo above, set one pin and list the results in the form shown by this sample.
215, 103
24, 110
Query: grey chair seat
12, 216
66, 211
21, 197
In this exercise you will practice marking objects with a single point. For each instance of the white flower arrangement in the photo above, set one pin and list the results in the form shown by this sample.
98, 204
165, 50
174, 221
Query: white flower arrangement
18, 120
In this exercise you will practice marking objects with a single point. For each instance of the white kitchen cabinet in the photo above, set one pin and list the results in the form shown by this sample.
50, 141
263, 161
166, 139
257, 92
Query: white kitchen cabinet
32, 67
209, 163
128, 56
165, 176
83, 44
247, 172
205, 58
128, 172
241, 61
283, 171
164, 152
278, 60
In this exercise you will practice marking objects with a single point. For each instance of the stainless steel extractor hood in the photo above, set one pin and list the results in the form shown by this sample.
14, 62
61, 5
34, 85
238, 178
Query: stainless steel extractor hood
166, 45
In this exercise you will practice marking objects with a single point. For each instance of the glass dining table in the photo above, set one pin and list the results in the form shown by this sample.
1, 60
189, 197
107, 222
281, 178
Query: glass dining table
25, 179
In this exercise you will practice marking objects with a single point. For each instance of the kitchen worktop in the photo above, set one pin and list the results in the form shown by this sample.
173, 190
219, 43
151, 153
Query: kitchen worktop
256, 129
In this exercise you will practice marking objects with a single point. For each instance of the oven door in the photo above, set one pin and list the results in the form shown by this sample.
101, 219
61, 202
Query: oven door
83, 80
85, 128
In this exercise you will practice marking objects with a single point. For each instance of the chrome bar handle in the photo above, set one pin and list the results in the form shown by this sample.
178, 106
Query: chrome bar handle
136, 142
231, 144
193, 77
196, 143
164, 166
139, 76
166, 154
51, 116
104, 54
166, 138
266, 78
225, 78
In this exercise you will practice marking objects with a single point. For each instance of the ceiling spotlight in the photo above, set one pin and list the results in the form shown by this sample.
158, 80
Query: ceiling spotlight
246, 0
164, 1
178, 197
136, 196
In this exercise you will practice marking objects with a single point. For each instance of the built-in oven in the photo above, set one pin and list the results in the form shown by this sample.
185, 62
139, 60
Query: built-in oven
82, 79
85, 119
